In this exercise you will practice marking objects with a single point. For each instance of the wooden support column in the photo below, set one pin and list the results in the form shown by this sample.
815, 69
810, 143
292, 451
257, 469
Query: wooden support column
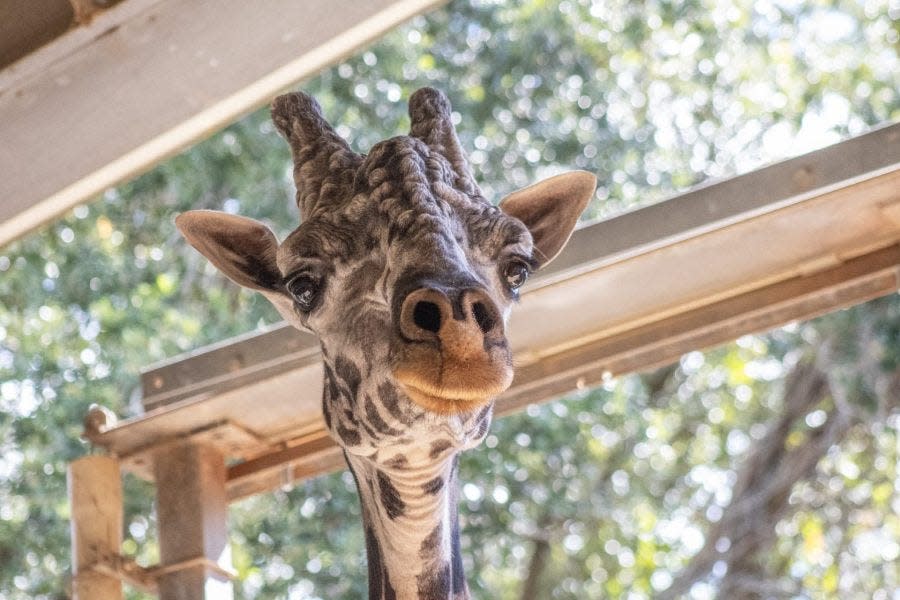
192, 511
95, 497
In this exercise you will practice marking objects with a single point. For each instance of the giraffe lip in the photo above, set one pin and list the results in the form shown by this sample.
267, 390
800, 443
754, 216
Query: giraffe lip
443, 404
450, 382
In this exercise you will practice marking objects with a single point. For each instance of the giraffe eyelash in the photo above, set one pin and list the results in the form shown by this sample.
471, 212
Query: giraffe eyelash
531, 261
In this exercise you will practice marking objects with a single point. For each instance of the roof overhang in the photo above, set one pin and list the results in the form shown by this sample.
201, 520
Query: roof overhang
142, 80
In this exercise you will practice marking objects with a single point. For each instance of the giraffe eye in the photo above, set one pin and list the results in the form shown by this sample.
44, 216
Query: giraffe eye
515, 273
305, 291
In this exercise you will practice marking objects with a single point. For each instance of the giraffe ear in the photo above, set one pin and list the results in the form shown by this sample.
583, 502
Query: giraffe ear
550, 210
242, 249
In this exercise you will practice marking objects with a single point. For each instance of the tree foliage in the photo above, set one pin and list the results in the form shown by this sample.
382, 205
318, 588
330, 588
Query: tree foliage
617, 492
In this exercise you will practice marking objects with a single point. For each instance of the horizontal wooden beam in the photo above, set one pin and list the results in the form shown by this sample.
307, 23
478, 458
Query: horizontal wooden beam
309, 456
662, 342
146, 78
629, 293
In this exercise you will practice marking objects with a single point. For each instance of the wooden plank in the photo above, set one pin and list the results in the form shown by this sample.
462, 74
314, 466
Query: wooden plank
659, 343
37, 61
206, 62
309, 456
290, 406
662, 282
95, 499
697, 271
232, 363
691, 272
228, 438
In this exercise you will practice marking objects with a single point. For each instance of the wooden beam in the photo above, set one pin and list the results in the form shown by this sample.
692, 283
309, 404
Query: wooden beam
662, 342
715, 205
628, 293
148, 77
305, 457
192, 515
95, 499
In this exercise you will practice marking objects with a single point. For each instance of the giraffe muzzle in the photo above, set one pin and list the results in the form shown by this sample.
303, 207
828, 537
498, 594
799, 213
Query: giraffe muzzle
454, 356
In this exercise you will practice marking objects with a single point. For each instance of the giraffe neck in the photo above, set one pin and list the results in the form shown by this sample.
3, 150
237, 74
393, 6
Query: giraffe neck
411, 523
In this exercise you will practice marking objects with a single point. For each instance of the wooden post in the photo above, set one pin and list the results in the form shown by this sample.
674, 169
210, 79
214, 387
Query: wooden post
192, 511
95, 497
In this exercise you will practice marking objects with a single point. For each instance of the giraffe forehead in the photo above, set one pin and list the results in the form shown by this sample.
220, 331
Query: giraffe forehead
421, 201
406, 202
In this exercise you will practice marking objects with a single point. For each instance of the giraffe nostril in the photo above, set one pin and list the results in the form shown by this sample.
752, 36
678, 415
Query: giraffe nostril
483, 317
427, 316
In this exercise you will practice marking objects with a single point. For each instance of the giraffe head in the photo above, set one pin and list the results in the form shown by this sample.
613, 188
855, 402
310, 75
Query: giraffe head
402, 268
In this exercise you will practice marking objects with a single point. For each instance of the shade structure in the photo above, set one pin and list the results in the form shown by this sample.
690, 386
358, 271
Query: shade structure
790, 241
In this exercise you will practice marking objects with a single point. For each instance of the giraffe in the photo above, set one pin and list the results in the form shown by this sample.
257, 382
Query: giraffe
407, 274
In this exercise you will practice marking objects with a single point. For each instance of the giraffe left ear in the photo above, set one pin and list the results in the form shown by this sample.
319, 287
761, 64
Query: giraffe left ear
550, 210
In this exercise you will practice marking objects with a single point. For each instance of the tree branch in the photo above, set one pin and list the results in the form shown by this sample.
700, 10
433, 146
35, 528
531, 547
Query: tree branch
760, 495
538, 563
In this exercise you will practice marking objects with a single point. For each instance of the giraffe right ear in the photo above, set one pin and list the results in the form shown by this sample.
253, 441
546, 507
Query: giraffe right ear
242, 249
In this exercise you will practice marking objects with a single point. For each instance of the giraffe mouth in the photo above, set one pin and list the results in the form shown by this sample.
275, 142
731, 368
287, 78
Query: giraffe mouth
456, 390
445, 404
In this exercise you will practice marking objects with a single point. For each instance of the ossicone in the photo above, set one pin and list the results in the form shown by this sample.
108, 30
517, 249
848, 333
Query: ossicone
431, 121
324, 164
